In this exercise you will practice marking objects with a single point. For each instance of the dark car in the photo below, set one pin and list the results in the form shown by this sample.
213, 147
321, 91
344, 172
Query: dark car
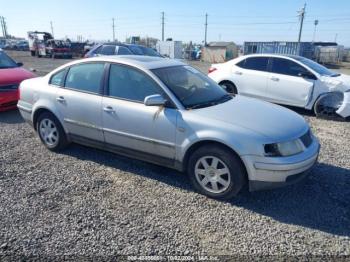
121, 49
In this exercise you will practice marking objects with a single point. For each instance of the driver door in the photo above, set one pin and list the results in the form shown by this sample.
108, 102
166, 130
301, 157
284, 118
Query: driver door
286, 85
130, 125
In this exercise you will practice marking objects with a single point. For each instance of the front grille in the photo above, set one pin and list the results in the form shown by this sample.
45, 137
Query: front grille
306, 139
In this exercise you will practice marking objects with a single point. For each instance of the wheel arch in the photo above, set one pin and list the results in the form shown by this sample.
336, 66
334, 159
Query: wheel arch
229, 82
203, 143
39, 111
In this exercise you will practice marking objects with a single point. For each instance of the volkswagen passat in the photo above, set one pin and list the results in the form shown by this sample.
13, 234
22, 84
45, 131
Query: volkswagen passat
166, 112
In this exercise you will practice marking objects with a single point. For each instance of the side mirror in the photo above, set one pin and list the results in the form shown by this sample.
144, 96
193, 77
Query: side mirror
20, 64
155, 100
307, 75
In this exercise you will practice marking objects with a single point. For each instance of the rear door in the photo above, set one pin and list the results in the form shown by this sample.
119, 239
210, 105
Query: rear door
286, 84
251, 76
80, 101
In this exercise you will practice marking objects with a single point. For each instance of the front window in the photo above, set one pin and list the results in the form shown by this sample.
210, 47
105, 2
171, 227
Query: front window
287, 67
323, 71
130, 84
6, 61
192, 88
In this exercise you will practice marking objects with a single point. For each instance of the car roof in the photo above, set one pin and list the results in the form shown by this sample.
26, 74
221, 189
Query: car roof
143, 62
272, 55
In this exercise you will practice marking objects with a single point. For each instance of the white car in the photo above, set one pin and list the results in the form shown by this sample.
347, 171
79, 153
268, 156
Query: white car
287, 80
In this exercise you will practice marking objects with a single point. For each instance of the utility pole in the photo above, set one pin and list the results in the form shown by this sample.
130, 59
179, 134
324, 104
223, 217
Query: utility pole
51, 28
335, 38
2, 27
301, 16
206, 28
113, 26
315, 23
162, 26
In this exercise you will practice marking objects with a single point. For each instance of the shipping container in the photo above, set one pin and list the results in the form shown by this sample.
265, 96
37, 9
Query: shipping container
305, 49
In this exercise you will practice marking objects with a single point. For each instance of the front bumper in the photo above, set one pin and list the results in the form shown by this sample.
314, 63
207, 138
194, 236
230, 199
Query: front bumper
272, 172
8, 100
344, 109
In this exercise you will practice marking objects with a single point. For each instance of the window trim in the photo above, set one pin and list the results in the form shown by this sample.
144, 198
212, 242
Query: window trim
170, 103
100, 90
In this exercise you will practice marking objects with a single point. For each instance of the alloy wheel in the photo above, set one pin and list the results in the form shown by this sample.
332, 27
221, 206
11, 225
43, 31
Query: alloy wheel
48, 132
212, 174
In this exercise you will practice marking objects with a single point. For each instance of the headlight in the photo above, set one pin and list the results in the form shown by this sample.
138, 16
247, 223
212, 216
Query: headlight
284, 149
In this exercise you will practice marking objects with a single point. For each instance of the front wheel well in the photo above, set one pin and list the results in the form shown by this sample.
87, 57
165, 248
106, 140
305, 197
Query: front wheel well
206, 143
229, 82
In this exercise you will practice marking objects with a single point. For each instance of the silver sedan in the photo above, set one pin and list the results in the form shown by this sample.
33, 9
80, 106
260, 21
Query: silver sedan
166, 112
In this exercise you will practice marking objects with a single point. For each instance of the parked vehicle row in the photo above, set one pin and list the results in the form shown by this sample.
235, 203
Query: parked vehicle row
287, 80
166, 112
121, 49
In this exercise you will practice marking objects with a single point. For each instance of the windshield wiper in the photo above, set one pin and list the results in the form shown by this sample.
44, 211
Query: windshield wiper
220, 100
335, 75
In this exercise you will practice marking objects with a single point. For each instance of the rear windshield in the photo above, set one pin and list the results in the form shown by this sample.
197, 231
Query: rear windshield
6, 61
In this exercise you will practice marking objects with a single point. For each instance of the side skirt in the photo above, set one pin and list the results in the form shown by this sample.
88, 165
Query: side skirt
154, 159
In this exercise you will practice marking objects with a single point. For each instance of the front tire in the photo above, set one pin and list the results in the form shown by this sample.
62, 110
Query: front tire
51, 132
229, 87
216, 172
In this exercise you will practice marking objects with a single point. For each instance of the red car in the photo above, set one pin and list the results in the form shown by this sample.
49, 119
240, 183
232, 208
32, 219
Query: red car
11, 75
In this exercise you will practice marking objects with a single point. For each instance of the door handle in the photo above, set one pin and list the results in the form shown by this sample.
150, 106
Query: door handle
238, 72
61, 99
108, 109
273, 78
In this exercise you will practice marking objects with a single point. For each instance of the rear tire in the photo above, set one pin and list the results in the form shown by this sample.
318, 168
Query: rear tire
229, 87
216, 172
51, 132
32, 53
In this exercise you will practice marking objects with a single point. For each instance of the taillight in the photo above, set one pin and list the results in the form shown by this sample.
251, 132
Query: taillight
212, 69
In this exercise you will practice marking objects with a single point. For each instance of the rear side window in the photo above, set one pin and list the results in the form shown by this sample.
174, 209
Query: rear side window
131, 84
107, 50
123, 51
255, 63
58, 78
286, 67
85, 77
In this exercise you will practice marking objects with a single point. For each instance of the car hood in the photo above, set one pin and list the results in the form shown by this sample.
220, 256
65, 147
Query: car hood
272, 121
337, 83
14, 75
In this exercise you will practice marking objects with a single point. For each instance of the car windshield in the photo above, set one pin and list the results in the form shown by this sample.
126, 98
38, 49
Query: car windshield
192, 88
320, 69
6, 61
149, 51
135, 49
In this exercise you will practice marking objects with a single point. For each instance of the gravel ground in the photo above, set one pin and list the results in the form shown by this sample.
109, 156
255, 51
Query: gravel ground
88, 202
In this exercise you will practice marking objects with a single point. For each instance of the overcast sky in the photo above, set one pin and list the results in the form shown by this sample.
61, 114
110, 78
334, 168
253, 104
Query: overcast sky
228, 20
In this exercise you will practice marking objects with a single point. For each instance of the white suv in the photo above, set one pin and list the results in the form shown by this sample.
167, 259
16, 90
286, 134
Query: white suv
288, 80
